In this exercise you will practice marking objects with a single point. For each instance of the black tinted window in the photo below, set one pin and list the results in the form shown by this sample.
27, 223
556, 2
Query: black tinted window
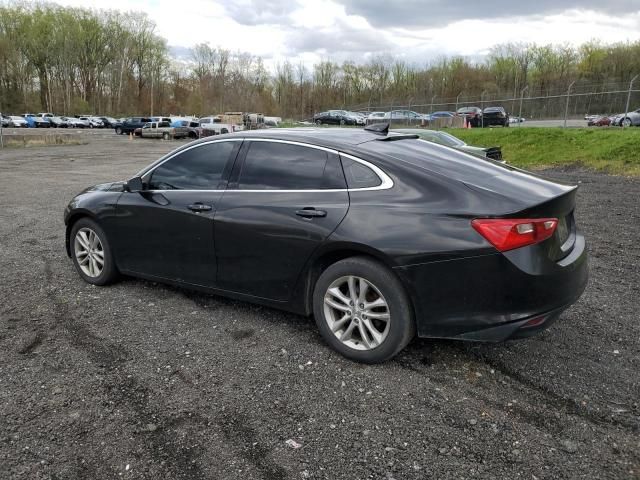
198, 168
280, 166
359, 175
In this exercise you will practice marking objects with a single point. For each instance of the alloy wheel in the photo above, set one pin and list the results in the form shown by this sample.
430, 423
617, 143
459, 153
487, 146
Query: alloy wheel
357, 313
89, 252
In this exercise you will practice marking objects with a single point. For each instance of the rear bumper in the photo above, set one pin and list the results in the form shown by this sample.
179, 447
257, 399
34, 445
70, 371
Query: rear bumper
493, 297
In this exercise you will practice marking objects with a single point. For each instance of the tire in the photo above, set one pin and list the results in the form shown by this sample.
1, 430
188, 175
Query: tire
83, 229
342, 122
165, 136
224, 131
394, 335
626, 122
318, 122
118, 131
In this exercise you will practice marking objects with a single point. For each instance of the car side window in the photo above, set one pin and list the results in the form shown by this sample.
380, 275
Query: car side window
359, 175
281, 166
198, 168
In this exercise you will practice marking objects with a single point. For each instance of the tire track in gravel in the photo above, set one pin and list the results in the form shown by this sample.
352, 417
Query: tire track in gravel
552, 400
125, 390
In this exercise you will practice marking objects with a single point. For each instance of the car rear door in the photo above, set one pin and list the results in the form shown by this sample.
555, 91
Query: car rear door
166, 231
284, 199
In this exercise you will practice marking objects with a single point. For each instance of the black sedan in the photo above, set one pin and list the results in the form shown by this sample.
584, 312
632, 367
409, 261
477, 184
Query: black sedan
494, 116
334, 117
380, 236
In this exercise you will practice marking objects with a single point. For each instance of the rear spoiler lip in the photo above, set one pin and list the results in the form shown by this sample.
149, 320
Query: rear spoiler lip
527, 210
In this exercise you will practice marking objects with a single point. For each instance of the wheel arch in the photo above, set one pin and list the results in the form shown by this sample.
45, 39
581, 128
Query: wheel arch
70, 222
329, 255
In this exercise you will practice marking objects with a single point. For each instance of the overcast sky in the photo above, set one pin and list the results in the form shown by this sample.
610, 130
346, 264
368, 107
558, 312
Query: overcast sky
418, 30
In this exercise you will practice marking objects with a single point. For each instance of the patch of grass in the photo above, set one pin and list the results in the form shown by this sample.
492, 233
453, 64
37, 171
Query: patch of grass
612, 150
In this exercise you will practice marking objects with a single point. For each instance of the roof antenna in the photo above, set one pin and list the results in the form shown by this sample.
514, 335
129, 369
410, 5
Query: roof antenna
379, 128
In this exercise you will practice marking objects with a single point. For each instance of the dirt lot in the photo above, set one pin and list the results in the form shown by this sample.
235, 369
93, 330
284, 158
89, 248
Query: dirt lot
140, 380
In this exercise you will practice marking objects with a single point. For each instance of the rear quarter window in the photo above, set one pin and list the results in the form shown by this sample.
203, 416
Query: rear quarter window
359, 175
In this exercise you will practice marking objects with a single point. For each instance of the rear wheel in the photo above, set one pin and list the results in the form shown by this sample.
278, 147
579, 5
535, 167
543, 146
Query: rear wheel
362, 310
165, 136
318, 122
626, 122
118, 131
91, 253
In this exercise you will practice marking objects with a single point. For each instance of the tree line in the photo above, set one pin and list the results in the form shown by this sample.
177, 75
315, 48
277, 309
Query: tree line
75, 60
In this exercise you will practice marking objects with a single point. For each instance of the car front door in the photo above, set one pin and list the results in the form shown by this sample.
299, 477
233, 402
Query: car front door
284, 199
166, 231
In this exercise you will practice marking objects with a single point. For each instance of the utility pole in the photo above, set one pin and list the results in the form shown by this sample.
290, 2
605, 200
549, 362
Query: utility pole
566, 107
626, 110
520, 111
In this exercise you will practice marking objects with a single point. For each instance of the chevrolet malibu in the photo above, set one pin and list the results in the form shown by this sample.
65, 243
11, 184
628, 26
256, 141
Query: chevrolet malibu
379, 236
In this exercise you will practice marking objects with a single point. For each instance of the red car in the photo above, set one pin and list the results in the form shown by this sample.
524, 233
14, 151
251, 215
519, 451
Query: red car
599, 121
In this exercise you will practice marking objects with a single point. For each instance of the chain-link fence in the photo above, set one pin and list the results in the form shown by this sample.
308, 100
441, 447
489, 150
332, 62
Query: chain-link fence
575, 102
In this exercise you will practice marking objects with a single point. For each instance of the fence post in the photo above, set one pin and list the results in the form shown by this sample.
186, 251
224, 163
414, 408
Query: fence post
482, 106
457, 99
566, 107
409, 108
626, 109
520, 111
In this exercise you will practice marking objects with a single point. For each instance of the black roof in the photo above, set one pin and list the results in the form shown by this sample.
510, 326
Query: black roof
335, 138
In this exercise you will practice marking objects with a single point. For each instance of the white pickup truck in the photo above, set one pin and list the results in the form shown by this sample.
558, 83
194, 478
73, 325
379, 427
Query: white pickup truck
163, 130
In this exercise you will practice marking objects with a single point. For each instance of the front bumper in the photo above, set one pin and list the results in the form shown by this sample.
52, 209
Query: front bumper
492, 297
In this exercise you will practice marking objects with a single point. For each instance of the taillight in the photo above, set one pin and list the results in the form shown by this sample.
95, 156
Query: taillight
509, 233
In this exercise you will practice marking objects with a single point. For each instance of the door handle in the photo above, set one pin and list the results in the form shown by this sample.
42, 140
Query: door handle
199, 207
310, 212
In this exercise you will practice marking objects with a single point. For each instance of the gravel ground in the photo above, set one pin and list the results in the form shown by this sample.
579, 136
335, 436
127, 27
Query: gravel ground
141, 380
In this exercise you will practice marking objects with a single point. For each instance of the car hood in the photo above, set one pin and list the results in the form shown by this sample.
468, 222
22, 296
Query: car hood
105, 187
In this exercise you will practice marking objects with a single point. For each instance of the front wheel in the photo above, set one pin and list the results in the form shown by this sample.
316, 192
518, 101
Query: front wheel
118, 131
91, 253
362, 310
165, 136
626, 122
318, 122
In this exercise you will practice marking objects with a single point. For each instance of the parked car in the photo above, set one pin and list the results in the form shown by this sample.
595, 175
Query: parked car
5, 121
435, 115
194, 130
472, 114
17, 121
334, 117
394, 239
214, 124
163, 130
599, 121
494, 116
629, 119
130, 124
108, 122
46, 115
448, 140
93, 122
35, 121
58, 122
375, 116
359, 118
406, 116
73, 122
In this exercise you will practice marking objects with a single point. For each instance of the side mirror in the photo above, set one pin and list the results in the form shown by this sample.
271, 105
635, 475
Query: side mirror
134, 185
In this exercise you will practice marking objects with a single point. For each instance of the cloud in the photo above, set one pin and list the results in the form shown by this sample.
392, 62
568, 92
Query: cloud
256, 12
438, 13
